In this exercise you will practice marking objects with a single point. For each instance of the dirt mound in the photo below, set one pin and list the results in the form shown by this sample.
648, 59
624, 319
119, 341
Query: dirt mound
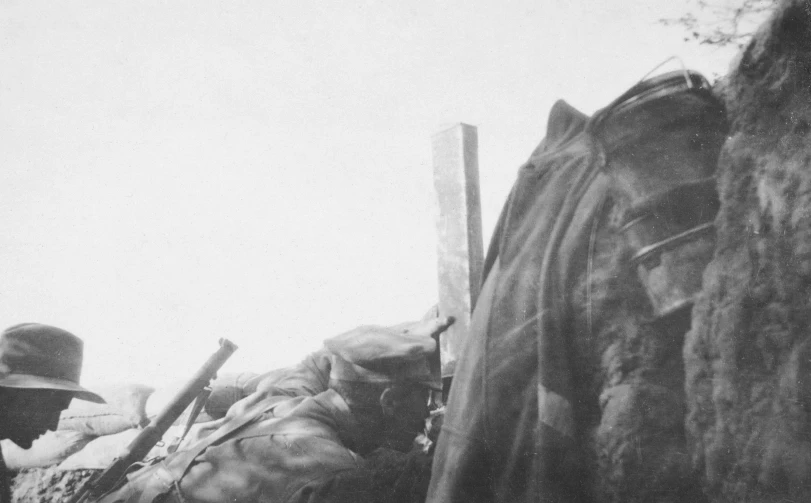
747, 356
47, 485
637, 435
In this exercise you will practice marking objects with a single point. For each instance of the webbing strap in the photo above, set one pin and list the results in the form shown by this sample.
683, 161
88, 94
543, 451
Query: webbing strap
197, 407
182, 463
166, 475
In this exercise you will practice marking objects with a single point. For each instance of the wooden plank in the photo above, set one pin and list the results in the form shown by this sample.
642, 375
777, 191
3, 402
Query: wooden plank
459, 233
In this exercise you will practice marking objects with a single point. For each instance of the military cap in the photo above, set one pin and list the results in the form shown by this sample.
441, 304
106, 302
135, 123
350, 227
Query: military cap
35, 356
383, 355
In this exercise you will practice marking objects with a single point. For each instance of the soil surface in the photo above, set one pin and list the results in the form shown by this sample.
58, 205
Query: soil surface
748, 376
47, 485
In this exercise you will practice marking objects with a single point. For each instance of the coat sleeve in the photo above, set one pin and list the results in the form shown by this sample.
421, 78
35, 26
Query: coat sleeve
308, 378
350, 486
305, 379
387, 477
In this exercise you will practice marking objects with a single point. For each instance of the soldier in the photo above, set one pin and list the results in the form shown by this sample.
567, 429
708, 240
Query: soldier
40, 367
311, 376
303, 449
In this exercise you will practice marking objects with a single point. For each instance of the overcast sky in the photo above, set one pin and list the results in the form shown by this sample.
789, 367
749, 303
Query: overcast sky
175, 172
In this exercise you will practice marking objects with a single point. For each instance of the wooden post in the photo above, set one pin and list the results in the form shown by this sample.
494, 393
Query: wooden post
459, 232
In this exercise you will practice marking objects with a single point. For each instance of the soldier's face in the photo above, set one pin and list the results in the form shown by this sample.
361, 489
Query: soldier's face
408, 419
28, 413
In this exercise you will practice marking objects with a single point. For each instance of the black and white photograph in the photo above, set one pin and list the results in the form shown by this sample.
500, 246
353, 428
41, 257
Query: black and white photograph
387, 251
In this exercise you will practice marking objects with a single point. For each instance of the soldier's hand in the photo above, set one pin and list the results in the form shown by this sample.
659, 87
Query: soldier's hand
430, 327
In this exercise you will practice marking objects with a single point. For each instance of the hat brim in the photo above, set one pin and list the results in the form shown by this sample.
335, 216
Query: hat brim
24, 381
344, 370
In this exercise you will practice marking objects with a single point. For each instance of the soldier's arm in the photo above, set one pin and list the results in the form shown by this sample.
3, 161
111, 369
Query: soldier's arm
307, 378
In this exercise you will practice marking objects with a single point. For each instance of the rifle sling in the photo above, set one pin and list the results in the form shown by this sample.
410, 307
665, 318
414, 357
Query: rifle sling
167, 475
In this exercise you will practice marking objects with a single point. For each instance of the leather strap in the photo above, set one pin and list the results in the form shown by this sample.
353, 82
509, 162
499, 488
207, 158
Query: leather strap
197, 407
166, 476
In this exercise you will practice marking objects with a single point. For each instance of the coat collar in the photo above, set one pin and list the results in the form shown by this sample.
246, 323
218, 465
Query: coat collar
330, 408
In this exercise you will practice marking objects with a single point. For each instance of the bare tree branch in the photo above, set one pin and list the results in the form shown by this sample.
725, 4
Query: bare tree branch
722, 22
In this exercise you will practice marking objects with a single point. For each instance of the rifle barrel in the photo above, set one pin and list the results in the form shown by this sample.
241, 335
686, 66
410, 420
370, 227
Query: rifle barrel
153, 433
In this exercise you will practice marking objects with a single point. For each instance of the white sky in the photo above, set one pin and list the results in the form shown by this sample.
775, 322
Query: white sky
175, 172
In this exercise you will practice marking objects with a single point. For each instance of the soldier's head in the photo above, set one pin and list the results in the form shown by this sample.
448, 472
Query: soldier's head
40, 367
386, 376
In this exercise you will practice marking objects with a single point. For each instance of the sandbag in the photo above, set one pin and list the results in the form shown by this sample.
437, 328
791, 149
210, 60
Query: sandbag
49, 449
164, 396
125, 409
99, 453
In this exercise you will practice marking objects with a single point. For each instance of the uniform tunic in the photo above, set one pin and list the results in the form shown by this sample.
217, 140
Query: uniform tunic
307, 378
300, 452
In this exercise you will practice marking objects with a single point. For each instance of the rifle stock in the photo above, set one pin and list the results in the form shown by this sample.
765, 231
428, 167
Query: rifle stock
153, 433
